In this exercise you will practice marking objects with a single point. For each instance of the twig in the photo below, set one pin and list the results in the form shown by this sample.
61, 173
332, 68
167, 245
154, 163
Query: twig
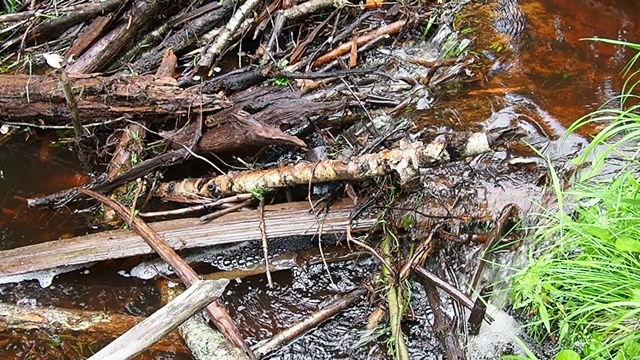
265, 245
217, 214
190, 209
390, 29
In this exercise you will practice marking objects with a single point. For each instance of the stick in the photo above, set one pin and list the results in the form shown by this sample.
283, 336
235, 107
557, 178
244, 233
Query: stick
219, 315
390, 29
163, 321
226, 35
310, 322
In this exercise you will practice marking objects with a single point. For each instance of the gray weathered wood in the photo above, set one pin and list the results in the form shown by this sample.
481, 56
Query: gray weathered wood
292, 219
163, 321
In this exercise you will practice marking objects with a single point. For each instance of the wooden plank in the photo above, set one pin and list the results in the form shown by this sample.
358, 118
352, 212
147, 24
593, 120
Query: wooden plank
283, 220
163, 321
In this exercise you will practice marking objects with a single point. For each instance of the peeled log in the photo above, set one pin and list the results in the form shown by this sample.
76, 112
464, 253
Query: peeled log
34, 98
404, 161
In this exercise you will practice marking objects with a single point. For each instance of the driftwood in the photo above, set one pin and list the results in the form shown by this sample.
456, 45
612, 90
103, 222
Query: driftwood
163, 321
180, 234
81, 325
405, 162
216, 311
32, 98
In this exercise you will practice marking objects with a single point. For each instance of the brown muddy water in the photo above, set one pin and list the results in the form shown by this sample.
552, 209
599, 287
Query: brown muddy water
535, 73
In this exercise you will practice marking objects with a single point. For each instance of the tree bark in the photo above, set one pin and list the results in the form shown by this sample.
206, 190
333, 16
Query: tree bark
35, 98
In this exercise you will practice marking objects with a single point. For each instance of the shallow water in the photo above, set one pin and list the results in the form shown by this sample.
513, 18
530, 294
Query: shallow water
534, 73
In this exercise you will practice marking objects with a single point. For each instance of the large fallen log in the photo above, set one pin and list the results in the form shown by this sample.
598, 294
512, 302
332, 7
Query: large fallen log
292, 219
32, 98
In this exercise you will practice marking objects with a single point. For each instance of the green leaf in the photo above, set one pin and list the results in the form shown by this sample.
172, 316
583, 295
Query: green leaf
566, 354
627, 244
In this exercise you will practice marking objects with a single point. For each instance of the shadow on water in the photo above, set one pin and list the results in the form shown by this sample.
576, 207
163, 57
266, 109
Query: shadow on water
537, 75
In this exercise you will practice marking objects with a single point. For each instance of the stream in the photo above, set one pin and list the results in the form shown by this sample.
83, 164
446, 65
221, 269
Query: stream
533, 72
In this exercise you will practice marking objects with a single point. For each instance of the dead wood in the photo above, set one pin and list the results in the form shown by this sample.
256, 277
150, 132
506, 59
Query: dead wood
441, 324
83, 325
235, 81
163, 321
128, 150
404, 162
218, 314
203, 342
69, 17
390, 29
231, 29
88, 36
479, 310
310, 322
244, 133
277, 106
40, 98
100, 54
295, 12
508, 213
181, 234
272, 108
207, 18
188, 137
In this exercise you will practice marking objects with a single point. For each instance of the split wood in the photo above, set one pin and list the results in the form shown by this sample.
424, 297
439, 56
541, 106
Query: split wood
218, 314
181, 234
163, 321
405, 161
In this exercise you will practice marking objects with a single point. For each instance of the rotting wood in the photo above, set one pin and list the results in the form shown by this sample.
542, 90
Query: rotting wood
84, 325
180, 234
404, 161
244, 132
442, 324
186, 36
163, 321
100, 54
216, 311
32, 98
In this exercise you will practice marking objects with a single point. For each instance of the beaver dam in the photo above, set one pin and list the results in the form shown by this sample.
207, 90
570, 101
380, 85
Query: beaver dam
284, 179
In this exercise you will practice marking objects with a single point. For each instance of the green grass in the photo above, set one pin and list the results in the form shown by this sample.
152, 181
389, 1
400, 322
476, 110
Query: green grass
582, 287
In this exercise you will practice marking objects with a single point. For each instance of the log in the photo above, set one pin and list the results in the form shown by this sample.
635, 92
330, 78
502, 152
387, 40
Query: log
33, 98
82, 325
179, 234
163, 321
404, 161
